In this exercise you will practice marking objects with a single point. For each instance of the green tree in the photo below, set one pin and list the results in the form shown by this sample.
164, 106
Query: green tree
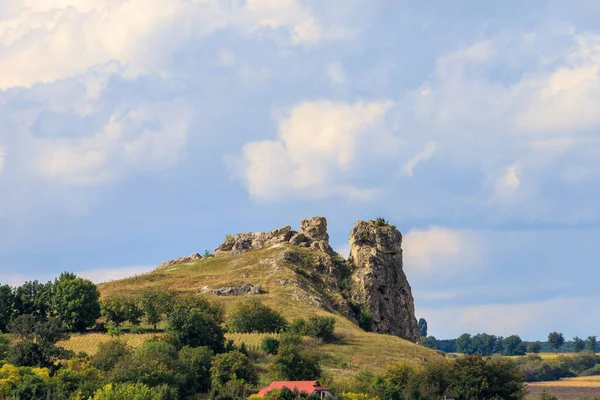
33, 298
556, 340
429, 342
135, 391
4, 346
423, 327
133, 311
109, 354
534, 347
463, 344
195, 324
293, 364
269, 345
156, 305
36, 341
592, 344
75, 301
197, 361
253, 316
578, 344
475, 377
232, 366
7, 303
114, 310
395, 381
513, 346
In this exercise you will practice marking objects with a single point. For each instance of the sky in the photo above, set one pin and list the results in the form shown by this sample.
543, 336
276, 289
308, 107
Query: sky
137, 131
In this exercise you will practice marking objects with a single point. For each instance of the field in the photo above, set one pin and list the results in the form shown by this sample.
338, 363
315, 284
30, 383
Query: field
568, 388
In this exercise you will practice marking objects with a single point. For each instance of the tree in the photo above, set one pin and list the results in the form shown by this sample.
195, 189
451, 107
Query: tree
269, 345
592, 343
109, 354
4, 346
429, 342
135, 391
195, 324
253, 316
423, 327
36, 341
133, 311
75, 301
33, 298
232, 366
292, 364
578, 344
534, 347
114, 310
7, 303
198, 361
316, 327
395, 381
475, 377
555, 340
156, 305
513, 346
463, 344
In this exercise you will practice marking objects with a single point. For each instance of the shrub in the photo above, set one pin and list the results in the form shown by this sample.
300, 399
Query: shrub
270, 345
109, 354
292, 364
316, 327
197, 361
232, 366
365, 320
253, 316
135, 391
195, 324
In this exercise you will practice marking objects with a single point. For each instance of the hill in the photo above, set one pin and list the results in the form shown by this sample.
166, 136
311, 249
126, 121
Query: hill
298, 274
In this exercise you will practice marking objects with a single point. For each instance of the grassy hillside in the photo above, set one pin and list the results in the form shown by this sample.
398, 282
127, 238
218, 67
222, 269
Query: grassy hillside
293, 286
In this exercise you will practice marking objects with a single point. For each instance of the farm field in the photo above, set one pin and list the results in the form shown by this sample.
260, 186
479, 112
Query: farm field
568, 388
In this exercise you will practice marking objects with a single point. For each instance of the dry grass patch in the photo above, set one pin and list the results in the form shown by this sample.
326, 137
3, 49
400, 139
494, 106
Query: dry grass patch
89, 342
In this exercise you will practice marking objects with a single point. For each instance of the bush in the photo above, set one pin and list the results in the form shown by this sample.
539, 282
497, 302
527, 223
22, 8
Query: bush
135, 391
109, 354
316, 327
198, 361
269, 345
196, 324
232, 366
365, 320
292, 364
253, 316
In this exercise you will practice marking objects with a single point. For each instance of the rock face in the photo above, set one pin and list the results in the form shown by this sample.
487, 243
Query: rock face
181, 260
379, 284
313, 234
245, 288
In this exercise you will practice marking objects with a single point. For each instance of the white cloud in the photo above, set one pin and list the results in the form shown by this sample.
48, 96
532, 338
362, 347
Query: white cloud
426, 154
531, 320
153, 135
438, 250
319, 144
49, 40
508, 182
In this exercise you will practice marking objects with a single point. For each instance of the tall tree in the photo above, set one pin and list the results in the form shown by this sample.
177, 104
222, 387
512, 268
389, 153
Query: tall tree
76, 302
578, 344
195, 323
34, 298
156, 305
114, 310
592, 343
423, 327
534, 347
463, 344
513, 346
7, 303
36, 341
556, 340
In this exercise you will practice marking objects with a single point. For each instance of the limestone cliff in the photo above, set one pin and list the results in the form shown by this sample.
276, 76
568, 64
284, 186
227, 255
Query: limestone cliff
379, 284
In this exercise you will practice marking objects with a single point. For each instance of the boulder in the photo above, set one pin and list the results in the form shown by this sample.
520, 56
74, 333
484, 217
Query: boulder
379, 284
182, 260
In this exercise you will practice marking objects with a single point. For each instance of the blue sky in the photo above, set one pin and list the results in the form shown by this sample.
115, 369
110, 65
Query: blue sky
136, 131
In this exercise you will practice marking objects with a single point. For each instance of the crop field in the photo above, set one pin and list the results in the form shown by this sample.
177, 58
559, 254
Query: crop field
568, 388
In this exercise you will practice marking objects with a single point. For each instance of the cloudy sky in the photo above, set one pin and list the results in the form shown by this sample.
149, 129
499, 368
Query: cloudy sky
136, 131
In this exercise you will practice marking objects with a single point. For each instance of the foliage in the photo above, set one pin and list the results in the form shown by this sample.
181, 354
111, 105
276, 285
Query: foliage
253, 316
75, 302
156, 305
232, 366
33, 298
534, 347
270, 345
7, 301
114, 310
109, 353
513, 346
196, 323
365, 320
423, 327
429, 342
592, 344
133, 311
4, 346
545, 395
135, 391
395, 381
23, 382
78, 379
482, 344
315, 327
381, 222
292, 364
578, 344
197, 361
475, 377
36, 341
555, 340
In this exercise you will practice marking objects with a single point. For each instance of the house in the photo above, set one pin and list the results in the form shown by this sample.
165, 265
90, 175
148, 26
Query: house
308, 387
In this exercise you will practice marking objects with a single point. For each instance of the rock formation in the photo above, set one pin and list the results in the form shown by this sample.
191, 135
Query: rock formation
379, 284
181, 260
313, 234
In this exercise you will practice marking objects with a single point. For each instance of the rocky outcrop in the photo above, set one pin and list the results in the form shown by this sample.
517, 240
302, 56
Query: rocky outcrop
245, 288
181, 260
313, 234
379, 284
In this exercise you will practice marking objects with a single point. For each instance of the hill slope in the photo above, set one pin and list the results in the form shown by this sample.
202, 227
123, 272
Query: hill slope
295, 280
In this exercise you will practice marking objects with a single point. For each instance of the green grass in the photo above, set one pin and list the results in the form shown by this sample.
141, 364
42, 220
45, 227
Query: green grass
355, 349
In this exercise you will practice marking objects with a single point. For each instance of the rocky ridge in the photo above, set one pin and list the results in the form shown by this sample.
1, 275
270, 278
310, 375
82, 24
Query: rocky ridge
370, 286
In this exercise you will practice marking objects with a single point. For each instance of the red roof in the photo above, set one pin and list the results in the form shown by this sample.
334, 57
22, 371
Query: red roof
303, 386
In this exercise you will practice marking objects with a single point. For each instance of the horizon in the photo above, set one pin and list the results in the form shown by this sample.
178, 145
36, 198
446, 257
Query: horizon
474, 128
